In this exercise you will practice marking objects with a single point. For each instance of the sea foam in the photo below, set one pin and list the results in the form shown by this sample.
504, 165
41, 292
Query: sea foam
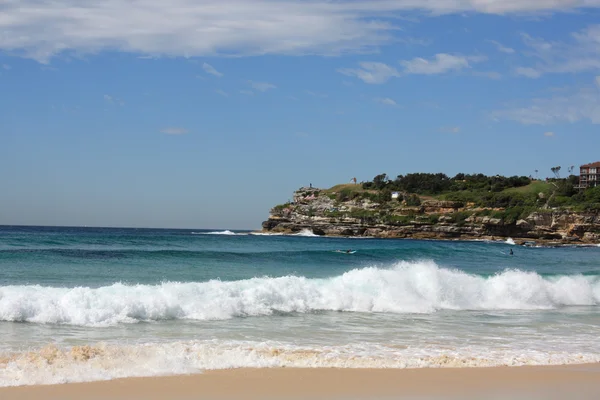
52, 365
225, 232
419, 287
306, 233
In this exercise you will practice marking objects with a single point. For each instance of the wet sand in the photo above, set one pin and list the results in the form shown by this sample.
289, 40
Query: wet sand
552, 382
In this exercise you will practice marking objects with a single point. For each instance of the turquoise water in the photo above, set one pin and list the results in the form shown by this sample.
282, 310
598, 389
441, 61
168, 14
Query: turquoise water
149, 302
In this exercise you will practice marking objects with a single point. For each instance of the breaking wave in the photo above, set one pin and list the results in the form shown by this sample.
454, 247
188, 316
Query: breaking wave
225, 232
420, 287
306, 233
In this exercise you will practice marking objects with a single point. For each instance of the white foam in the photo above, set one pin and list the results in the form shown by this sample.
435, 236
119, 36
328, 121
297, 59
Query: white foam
306, 233
510, 241
225, 232
51, 365
420, 287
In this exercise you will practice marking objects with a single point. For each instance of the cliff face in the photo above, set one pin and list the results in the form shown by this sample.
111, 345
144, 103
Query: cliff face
321, 213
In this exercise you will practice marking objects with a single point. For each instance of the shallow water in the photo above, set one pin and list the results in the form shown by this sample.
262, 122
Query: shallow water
87, 304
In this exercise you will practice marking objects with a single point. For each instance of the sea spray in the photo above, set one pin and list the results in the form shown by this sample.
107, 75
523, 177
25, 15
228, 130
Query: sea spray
417, 287
306, 233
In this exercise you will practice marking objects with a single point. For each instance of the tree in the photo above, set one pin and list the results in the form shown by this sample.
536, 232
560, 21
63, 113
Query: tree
380, 181
556, 171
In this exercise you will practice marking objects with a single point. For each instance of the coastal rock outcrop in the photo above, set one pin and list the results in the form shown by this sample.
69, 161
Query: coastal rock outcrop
324, 213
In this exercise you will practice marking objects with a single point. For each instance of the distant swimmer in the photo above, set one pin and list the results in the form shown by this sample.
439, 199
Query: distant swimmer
510, 252
349, 251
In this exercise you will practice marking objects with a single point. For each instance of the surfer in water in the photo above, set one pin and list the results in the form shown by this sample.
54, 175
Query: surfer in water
511, 252
349, 251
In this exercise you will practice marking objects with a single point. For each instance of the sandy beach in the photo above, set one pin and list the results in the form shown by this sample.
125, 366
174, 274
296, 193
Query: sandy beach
551, 382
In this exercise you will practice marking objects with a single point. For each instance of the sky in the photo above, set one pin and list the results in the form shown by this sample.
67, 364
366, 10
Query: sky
205, 114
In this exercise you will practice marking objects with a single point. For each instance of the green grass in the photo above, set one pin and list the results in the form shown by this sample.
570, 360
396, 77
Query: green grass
534, 187
347, 186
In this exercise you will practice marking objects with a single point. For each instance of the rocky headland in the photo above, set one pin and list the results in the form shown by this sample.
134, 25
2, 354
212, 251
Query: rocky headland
328, 213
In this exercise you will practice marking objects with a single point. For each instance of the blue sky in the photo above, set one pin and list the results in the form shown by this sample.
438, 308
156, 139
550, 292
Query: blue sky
204, 114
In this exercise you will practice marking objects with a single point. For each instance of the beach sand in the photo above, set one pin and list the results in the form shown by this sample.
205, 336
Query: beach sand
551, 382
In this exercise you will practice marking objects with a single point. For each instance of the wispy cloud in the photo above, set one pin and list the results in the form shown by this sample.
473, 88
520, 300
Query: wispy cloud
43, 29
247, 92
440, 64
6, 66
261, 86
113, 100
488, 74
451, 129
371, 72
315, 94
502, 48
209, 69
222, 93
174, 131
386, 101
377, 72
528, 72
549, 134
580, 104
580, 52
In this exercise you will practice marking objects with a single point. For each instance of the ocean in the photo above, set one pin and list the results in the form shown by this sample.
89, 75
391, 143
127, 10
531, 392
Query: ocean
84, 304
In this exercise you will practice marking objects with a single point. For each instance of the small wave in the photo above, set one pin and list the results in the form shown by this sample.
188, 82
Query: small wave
510, 241
54, 365
419, 287
225, 232
306, 233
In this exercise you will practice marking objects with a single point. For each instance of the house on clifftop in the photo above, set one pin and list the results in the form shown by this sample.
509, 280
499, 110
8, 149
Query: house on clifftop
589, 175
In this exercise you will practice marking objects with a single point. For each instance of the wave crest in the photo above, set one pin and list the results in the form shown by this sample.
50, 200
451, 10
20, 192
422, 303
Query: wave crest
420, 287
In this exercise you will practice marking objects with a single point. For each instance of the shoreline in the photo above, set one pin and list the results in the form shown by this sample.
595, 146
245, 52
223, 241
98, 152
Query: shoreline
523, 242
581, 381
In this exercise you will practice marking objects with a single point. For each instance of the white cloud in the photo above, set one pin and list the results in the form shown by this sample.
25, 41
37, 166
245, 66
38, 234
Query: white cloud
581, 104
261, 86
371, 72
386, 101
174, 131
222, 93
502, 48
549, 134
42, 29
108, 98
209, 69
442, 63
528, 72
6, 66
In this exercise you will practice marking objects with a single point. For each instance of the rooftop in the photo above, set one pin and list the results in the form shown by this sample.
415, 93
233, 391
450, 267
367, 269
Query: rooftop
592, 165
